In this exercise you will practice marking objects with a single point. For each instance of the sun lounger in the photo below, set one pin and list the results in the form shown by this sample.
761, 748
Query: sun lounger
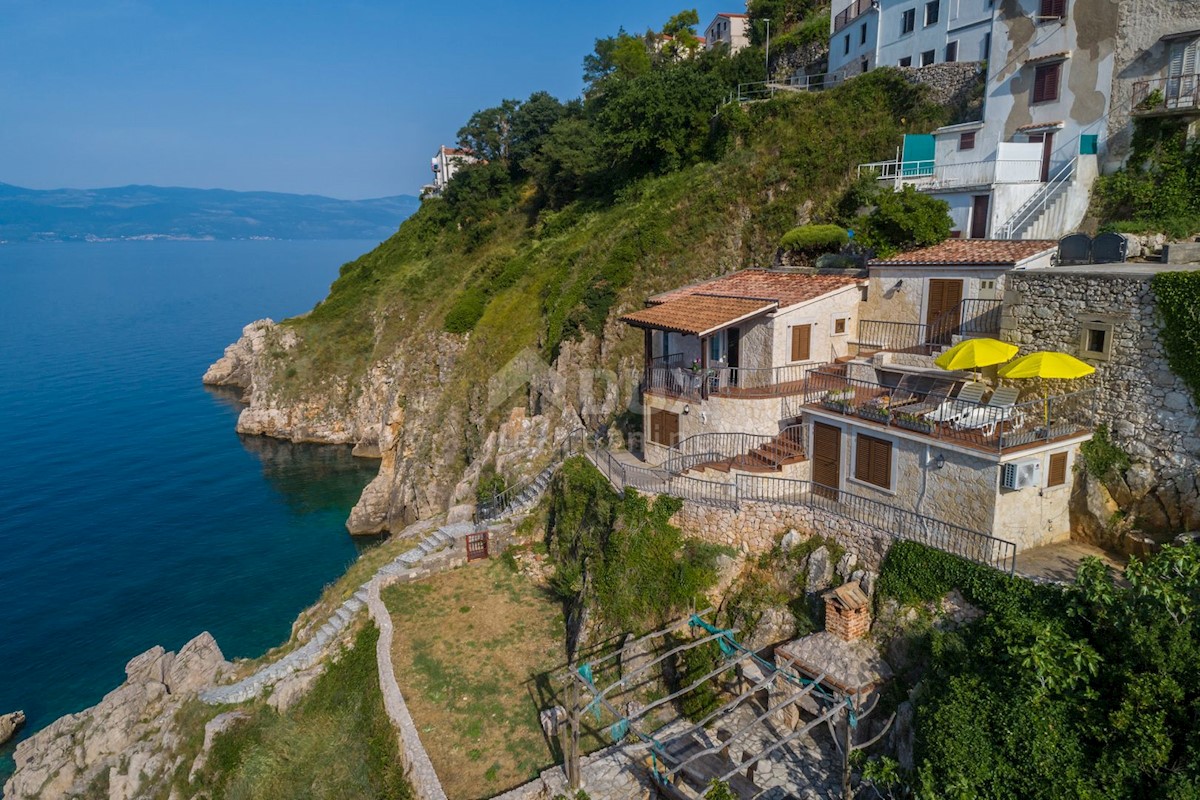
1000, 408
969, 397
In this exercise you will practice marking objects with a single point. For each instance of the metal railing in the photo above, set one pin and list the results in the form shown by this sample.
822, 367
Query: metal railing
852, 12
931, 176
1042, 199
503, 502
900, 523
764, 90
933, 413
1167, 95
721, 381
737, 450
969, 318
897, 523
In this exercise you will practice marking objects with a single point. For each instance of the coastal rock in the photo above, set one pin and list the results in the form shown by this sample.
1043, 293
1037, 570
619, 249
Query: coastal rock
819, 576
212, 729
126, 739
9, 723
288, 691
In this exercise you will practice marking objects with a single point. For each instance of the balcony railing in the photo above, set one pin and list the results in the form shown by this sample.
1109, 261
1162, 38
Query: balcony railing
929, 176
853, 12
694, 385
969, 318
745, 451
1180, 94
934, 414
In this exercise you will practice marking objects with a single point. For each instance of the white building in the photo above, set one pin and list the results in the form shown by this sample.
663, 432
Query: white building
447, 162
732, 30
907, 33
1063, 83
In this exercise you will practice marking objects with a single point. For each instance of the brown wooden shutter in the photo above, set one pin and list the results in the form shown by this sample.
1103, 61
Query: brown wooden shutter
862, 458
1058, 470
1053, 8
671, 427
873, 461
801, 342
1045, 82
655, 426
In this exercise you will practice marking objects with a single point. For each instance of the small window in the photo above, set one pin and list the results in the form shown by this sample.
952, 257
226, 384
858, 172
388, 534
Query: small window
908, 21
1096, 340
933, 10
862, 34
865, 65
1057, 476
1053, 9
987, 46
967, 141
664, 427
873, 461
987, 286
839, 325
952, 52
1045, 82
801, 342
846, 45
927, 58
906, 61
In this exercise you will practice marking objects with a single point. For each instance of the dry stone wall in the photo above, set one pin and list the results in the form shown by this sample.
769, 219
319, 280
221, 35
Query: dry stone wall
1149, 410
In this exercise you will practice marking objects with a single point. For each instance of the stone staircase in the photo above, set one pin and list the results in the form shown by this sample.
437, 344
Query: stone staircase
444, 536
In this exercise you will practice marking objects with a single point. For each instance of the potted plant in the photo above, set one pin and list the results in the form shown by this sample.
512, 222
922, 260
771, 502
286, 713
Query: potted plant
877, 413
837, 403
914, 422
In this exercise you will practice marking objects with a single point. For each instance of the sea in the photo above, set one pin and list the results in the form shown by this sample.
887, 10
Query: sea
131, 512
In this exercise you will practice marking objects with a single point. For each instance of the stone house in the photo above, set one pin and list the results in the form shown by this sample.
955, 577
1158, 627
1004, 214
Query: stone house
731, 30
730, 355
906, 33
444, 164
1064, 79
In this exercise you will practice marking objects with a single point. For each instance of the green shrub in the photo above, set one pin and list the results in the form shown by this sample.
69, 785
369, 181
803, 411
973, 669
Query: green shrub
1177, 295
466, 311
1102, 456
693, 665
905, 220
815, 240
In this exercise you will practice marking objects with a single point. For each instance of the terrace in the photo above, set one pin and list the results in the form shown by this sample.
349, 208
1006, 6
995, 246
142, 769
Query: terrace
673, 376
1167, 96
924, 405
931, 176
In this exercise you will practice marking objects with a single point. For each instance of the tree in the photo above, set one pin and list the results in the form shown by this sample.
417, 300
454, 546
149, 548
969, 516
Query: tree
568, 163
620, 57
530, 126
682, 30
488, 133
899, 221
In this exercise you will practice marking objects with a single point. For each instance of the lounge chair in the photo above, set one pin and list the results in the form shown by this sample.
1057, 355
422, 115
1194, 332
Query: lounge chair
969, 397
1000, 408
930, 402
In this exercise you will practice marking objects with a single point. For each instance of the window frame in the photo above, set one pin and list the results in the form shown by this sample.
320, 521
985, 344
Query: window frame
846, 45
936, 7
966, 140
906, 62
792, 343
1090, 327
656, 427
862, 34
908, 21
932, 58
1039, 92
877, 447
1049, 10
844, 321
952, 52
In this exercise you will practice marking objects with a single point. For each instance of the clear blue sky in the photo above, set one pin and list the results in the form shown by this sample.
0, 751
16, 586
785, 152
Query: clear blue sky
348, 99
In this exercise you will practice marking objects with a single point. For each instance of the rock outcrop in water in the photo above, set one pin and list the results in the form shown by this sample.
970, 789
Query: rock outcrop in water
9, 723
128, 740
401, 412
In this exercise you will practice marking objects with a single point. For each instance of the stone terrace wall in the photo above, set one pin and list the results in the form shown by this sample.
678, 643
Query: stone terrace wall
1149, 409
951, 84
756, 528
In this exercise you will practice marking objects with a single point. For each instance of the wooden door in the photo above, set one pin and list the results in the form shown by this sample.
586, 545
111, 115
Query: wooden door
477, 545
827, 460
1047, 152
733, 354
980, 211
942, 313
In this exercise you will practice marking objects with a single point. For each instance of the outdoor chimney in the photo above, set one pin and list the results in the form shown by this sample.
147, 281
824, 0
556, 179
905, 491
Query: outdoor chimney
847, 615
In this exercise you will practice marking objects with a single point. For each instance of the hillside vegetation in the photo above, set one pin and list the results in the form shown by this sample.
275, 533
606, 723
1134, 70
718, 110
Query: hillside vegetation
514, 261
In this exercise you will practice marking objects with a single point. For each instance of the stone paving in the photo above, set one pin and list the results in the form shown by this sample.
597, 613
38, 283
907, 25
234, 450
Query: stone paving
1057, 563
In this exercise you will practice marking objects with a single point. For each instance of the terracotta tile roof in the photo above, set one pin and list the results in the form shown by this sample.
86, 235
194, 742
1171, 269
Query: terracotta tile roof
784, 288
969, 252
733, 16
1062, 55
698, 314
1036, 126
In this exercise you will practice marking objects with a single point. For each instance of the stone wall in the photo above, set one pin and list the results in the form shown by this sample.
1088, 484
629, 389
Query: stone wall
953, 84
1149, 410
757, 527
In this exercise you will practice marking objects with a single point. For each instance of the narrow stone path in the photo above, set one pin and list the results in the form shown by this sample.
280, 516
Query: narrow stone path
1057, 563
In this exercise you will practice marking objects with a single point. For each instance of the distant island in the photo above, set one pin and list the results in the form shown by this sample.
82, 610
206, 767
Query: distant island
156, 212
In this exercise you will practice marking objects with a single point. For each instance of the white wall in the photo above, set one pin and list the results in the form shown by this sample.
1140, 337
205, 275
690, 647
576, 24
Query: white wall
825, 345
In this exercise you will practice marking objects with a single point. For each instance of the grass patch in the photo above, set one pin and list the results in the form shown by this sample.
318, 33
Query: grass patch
476, 651
337, 742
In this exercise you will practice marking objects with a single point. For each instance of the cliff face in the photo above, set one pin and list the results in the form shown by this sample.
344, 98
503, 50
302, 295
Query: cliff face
425, 346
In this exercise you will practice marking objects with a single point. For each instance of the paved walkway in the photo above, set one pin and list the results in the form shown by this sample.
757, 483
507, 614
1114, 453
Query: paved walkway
1057, 563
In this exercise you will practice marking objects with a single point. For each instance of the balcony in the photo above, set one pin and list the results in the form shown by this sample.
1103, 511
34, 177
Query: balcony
928, 176
671, 377
1167, 96
853, 12
989, 429
970, 318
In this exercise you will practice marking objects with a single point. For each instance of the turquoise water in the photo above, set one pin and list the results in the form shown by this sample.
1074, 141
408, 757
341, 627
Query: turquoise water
131, 513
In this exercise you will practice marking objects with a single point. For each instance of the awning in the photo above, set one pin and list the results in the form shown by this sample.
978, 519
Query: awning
698, 314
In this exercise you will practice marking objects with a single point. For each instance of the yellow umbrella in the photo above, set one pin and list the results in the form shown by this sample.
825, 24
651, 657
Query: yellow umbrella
976, 353
1058, 366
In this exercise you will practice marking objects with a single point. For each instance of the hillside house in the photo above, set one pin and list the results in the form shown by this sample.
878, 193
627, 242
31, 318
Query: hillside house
840, 369
446, 162
907, 33
731, 30
1064, 79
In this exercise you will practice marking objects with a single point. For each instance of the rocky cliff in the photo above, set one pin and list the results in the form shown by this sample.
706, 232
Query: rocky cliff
127, 742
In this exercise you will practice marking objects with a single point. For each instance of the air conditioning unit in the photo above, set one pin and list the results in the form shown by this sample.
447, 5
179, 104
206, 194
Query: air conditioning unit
1022, 474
